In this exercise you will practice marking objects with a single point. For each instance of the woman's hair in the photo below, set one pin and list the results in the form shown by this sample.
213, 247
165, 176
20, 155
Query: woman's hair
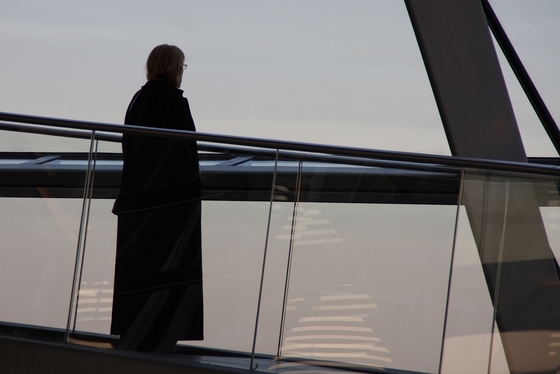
165, 62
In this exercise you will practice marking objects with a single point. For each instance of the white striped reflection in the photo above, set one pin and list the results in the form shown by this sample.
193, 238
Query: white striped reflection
325, 331
367, 347
95, 302
330, 326
326, 337
332, 319
307, 232
347, 307
344, 297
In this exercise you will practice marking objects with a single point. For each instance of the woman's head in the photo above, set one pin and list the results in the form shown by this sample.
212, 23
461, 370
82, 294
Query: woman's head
165, 62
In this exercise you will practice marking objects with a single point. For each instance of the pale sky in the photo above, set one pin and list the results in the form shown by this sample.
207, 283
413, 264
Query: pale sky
335, 72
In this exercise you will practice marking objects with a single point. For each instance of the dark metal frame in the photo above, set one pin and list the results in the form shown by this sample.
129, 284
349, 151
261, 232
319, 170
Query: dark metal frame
522, 75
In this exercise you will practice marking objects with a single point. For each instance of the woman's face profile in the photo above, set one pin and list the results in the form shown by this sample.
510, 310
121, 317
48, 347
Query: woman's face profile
180, 75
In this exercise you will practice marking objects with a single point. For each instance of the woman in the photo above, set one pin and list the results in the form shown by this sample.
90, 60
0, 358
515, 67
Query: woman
158, 270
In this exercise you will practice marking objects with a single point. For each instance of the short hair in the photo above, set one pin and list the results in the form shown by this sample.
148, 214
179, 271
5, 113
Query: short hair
165, 62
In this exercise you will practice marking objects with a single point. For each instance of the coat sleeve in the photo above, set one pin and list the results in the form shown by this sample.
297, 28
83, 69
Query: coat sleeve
178, 116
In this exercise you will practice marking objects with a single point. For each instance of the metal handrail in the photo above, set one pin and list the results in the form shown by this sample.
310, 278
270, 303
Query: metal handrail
223, 149
33, 123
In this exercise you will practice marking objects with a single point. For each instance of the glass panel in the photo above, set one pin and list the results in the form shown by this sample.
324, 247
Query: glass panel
468, 337
512, 232
280, 239
26, 142
95, 295
36, 259
233, 239
234, 234
40, 211
95, 281
370, 267
235, 212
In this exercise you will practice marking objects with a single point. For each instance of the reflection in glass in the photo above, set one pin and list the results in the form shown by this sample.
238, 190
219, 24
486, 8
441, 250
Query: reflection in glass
95, 295
39, 226
232, 248
468, 334
357, 266
519, 267
36, 259
368, 281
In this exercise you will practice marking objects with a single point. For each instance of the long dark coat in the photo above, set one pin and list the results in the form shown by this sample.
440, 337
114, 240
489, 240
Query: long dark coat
158, 270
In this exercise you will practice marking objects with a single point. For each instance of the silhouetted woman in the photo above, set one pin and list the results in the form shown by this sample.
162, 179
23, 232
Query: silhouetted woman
158, 271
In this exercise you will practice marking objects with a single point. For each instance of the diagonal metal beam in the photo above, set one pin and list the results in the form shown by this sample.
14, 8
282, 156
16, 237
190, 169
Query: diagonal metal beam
522, 76
520, 269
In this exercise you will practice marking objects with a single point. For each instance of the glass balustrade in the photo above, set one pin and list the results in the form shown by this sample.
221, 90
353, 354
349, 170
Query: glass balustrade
504, 302
334, 264
40, 228
368, 269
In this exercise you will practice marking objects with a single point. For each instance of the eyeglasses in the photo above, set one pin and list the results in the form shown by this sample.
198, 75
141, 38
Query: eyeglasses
184, 67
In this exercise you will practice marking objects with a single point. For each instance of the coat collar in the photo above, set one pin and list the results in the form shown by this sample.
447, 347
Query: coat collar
161, 83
